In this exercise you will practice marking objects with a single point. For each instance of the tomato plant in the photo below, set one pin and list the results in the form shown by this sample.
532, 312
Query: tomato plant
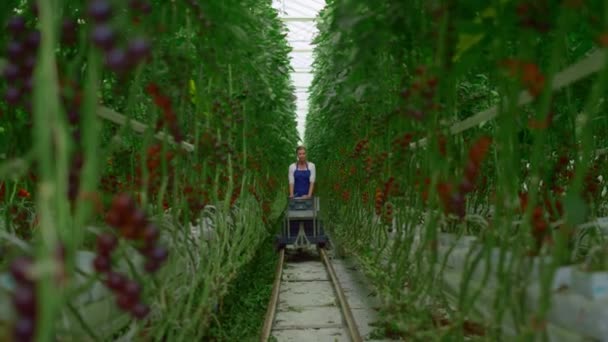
141, 145
429, 118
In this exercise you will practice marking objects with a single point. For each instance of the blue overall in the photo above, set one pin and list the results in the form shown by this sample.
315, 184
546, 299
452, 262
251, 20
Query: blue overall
301, 186
301, 182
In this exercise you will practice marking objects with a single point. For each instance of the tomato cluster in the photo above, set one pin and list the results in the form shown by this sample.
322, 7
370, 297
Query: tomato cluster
168, 118
18, 72
119, 59
361, 148
153, 166
420, 95
453, 199
378, 201
24, 299
196, 199
528, 73
402, 143
132, 224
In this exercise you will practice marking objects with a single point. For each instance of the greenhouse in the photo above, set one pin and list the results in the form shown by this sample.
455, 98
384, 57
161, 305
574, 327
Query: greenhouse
303, 170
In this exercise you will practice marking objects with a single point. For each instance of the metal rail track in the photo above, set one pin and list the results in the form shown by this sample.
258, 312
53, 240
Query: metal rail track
347, 316
274, 298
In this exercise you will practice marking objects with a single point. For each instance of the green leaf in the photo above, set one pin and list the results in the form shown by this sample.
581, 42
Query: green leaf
465, 42
238, 32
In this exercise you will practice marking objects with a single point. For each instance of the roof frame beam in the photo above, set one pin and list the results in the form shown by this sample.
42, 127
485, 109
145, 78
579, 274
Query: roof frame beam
297, 19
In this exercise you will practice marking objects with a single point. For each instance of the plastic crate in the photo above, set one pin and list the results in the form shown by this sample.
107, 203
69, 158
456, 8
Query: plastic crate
301, 204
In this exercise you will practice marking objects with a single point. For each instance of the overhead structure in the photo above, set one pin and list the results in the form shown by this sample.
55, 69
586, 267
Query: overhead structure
299, 18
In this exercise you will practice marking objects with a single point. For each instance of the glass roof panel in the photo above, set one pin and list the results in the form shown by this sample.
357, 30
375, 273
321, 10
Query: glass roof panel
301, 32
299, 16
299, 8
301, 60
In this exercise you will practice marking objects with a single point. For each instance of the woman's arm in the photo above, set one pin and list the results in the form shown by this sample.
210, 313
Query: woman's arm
313, 177
311, 189
291, 180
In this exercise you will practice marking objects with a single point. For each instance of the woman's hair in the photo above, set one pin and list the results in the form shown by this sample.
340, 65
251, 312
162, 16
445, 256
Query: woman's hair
301, 147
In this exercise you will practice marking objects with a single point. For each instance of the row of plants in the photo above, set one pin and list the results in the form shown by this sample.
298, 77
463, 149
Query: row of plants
111, 233
244, 308
391, 81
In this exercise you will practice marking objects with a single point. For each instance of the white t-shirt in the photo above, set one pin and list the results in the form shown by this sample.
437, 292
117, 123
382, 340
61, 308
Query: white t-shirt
292, 169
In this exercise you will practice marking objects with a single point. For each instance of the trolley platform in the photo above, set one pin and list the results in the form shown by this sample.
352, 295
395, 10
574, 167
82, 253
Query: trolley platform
302, 227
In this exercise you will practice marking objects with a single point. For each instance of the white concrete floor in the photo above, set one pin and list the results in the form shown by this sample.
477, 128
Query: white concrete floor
308, 309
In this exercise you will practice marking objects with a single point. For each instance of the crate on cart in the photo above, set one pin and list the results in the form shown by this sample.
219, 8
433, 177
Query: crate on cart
302, 227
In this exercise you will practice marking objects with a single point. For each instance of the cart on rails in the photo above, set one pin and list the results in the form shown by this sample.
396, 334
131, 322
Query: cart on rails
302, 227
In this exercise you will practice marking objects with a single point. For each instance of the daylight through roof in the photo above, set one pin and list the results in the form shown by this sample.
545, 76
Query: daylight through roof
299, 16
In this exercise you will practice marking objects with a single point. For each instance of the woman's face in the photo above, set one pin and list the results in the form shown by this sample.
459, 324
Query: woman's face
302, 155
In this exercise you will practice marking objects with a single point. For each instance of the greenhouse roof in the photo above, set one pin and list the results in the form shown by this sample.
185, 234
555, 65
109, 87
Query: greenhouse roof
299, 16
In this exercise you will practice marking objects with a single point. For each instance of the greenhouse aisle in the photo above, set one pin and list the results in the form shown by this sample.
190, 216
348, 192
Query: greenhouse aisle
458, 151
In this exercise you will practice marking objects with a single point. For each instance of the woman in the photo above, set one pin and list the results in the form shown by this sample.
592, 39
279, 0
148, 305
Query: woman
301, 176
